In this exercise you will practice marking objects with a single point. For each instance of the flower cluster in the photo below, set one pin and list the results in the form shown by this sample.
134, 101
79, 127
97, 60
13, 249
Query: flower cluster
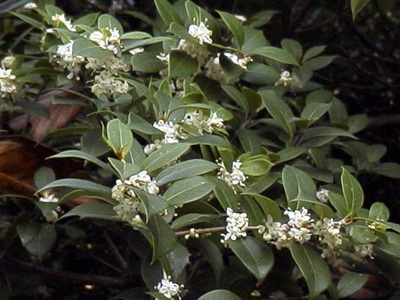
362, 251
122, 192
236, 177
61, 19
66, 60
168, 288
7, 85
285, 79
323, 195
48, 198
328, 232
108, 39
236, 226
202, 123
297, 229
171, 131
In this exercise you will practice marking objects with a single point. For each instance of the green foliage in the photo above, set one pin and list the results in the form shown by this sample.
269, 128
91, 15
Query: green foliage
194, 130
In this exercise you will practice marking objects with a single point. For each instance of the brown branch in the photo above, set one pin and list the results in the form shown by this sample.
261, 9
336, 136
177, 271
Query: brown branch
66, 276
210, 230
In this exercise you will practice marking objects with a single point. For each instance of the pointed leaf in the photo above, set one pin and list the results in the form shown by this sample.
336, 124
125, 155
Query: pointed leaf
181, 64
352, 192
164, 239
167, 12
93, 210
108, 21
298, 185
220, 295
350, 283
234, 26
276, 54
86, 48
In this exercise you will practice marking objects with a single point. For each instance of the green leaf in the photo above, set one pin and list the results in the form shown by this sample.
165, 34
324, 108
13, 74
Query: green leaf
269, 206
376, 152
253, 39
43, 176
379, 212
254, 254
138, 124
136, 155
352, 192
184, 170
167, 12
119, 137
312, 52
256, 165
153, 204
298, 186
178, 258
220, 295
276, 54
38, 239
321, 135
181, 32
147, 63
191, 219
387, 169
164, 155
249, 140
108, 21
188, 190
232, 70
92, 142
135, 35
279, 110
289, 153
357, 6
123, 168
29, 20
224, 193
79, 184
210, 140
181, 64
87, 20
93, 210
318, 62
164, 239
212, 254
234, 26
350, 283
357, 122
362, 234
84, 156
314, 269
293, 47
339, 203
86, 48
237, 96
260, 74
314, 111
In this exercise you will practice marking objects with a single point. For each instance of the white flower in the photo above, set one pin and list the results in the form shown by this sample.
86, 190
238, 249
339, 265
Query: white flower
108, 39
285, 79
236, 226
233, 179
163, 57
7, 61
110, 63
203, 123
298, 218
106, 83
201, 33
241, 18
240, 61
136, 51
168, 288
48, 199
144, 182
323, 195
30, 5
66, 60
362, 251
171, 131
329, 235
61, 19
215, 71
276, 233
7, 85
195, 50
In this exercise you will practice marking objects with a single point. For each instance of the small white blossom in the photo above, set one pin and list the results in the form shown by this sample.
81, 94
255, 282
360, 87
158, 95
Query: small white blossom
170, 130
163, 57
30, 5
241, 18
285, 79
7, 85
7, 61
136, 51
215, 71
49, 199
201, 33
323, 195
61, 19
66, 60
240, 61
329, 234
168, 288
195, 50
236, 226
233, 179
362, 251
108, 39
203, 123
110, 63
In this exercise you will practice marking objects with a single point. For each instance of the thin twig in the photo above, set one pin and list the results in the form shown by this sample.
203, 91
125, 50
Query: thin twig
210, 230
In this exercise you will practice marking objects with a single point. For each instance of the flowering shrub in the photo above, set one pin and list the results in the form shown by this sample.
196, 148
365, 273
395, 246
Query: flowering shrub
211, 154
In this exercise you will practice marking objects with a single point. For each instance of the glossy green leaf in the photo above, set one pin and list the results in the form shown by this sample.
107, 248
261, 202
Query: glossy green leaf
38, 239
260, 74
210, 140
289, 153
321, 135
352, 192
293, 47
181, 64
178, 258
92, 142
138, 124
253, 39
147, 63
167, 12
188, 190
43, 176
357, 6
379, 212
376, 152
313, 267
256, 165
276, 54
269, 206
86, 48
237, 96
220, 295
350, 283
181, 32
231, 70
299, 187
184, 170
234, 26
135, 35
164, 239
314, 111
212, 254
312, 52
93, 210
254, 254
164, 155
279, 110
249, 140
357, 122
319, 62
191, 219
339, 203
387, 169
224, 193
84, 156
80, 184
108, 21
87, 20
119, 137
362, 234
28, 20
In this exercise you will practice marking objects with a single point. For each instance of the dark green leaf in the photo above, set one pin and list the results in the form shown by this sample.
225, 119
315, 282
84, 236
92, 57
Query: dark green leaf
220, 295
318, 62
237, 96
357, 6
86, 48
350, 283
234, 26
276, 54
312, 52
93, 210
181, 64
80, 184
119, 137
352, 192
379, 212
387, 169
212, 254
108, 21
167, 12
298, 186
224, 193
164, 155
191, 219
210, 140
164, 239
